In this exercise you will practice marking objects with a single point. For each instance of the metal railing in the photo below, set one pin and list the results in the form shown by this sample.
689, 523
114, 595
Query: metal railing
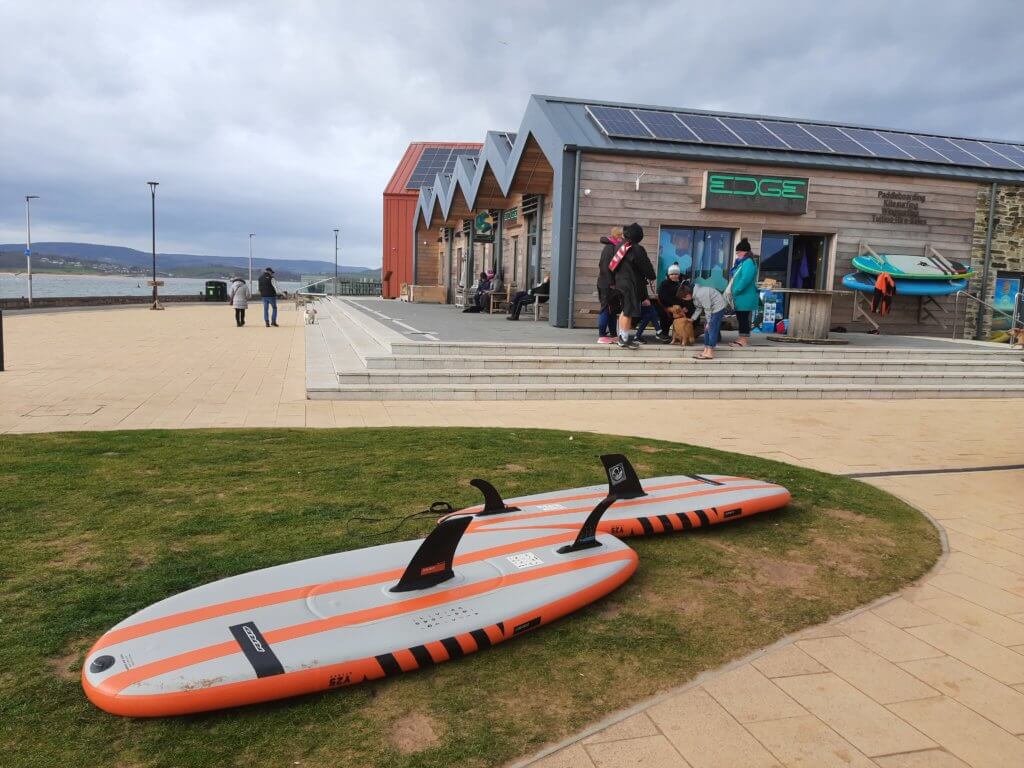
1014, 317
341, 288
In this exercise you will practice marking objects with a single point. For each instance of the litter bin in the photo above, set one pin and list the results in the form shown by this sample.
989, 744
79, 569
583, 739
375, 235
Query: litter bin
216, 290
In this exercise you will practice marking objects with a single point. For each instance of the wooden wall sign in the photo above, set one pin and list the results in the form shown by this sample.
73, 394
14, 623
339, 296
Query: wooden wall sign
900, 208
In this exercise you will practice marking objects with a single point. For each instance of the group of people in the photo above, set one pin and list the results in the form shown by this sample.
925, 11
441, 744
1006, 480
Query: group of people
627, 308
239, 295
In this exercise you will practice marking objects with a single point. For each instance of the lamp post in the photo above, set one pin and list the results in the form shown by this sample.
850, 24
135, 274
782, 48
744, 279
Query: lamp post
251, 236
28, 241
152, 194
336, 261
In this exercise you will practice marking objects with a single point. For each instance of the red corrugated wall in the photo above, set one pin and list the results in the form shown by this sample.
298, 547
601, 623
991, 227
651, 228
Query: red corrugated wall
399, 211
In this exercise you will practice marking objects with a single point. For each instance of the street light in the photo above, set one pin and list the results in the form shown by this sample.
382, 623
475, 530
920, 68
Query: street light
251, 236
152, 194
336, 261
28, 241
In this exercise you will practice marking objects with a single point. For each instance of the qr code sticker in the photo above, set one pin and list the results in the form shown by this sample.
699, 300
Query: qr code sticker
525, 560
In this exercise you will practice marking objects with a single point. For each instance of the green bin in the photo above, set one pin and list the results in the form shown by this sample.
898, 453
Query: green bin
216, 290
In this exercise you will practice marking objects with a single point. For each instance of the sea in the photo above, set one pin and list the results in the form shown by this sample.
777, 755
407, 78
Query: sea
45, 285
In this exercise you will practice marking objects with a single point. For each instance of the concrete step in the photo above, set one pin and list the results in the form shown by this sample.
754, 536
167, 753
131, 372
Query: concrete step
379, 391
683, 359
492, 349
706, 374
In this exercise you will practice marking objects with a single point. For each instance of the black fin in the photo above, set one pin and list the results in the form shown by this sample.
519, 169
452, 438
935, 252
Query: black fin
622, 479
432, 562
587, 537
493, 503
703, 479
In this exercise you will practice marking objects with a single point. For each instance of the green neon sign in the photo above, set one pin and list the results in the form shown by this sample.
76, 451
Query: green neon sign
751, 192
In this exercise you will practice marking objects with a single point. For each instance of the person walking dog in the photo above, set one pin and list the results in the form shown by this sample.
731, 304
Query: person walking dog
268, 292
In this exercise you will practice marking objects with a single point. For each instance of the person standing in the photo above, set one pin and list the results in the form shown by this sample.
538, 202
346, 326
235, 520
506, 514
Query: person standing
239, 299
709, 300
268, 292
607, 320
744, 290
631, 269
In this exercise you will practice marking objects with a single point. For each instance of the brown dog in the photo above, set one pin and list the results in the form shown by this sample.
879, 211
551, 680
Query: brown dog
1016, 338
682, 327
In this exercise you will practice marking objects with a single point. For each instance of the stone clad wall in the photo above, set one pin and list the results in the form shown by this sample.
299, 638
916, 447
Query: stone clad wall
1007, 247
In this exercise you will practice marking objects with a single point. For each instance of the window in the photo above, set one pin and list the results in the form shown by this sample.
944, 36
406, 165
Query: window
703, 255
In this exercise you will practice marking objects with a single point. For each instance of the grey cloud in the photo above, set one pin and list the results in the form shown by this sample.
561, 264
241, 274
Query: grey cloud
287, 119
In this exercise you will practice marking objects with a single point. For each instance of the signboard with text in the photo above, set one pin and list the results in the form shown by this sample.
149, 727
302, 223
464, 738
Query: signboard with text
729, 191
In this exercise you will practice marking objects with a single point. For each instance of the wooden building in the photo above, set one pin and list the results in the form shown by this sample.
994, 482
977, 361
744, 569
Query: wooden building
810, 196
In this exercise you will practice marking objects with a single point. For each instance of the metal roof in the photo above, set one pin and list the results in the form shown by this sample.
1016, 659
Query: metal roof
559, 125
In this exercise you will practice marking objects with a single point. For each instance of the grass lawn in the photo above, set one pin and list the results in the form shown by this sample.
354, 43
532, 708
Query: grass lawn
95, 526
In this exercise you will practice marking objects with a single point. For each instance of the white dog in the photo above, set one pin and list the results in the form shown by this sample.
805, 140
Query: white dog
310, 315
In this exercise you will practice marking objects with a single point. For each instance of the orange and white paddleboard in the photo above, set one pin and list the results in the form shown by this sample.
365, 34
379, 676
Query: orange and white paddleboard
341, 619
654, 505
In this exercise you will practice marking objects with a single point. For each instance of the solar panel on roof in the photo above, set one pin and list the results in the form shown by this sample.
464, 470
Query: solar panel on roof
615, 121
983, 152
664, 125
875, 144
752, 132
835, 140
709, 129
1012, 151
913, 147
951, 150
794, 136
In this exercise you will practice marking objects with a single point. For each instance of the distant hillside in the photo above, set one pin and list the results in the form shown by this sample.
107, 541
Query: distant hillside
113, 259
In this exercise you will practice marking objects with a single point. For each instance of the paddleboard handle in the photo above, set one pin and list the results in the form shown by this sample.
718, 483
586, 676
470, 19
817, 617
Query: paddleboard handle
623, 482
493, 503
432, 563
587, 537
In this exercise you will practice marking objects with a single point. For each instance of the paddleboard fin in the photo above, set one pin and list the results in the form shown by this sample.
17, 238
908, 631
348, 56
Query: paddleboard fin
493, 503
623, 482
587, 537
432, 562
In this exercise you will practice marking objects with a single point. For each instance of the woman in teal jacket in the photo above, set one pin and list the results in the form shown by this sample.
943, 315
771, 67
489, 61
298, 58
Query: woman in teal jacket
744, 290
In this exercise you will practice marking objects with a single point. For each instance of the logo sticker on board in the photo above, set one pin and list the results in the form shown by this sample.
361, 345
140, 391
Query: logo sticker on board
617, 473
525, 560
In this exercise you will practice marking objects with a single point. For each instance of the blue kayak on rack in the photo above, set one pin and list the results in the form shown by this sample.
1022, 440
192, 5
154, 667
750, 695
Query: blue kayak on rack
858, 281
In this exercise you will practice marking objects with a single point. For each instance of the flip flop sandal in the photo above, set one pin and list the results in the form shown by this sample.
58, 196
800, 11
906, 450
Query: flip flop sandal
702, 357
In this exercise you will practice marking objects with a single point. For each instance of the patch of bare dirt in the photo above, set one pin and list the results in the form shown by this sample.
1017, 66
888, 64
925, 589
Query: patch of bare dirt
515, 468
414, 733
791, 575
67, 665
845, 515
649, 449
77, 552
610, 610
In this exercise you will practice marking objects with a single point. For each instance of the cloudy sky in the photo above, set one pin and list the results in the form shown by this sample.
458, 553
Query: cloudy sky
287, 118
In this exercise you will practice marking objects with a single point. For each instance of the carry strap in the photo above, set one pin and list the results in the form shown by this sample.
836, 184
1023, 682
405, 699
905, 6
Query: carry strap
619, 255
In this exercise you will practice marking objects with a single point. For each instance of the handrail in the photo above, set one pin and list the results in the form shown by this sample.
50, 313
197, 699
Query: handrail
374, 287
976, 300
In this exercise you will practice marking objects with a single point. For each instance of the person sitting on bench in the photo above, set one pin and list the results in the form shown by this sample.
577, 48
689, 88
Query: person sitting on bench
539, 292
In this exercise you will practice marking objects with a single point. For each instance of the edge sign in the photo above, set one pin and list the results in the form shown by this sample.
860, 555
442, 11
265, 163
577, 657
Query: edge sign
730, 191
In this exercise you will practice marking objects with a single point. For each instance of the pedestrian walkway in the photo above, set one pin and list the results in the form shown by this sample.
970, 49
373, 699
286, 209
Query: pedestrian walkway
931, 678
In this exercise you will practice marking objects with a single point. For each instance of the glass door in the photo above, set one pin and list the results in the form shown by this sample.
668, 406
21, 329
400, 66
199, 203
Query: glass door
776, 258
703, 255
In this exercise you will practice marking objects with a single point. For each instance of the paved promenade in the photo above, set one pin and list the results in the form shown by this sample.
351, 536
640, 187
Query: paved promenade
932, 678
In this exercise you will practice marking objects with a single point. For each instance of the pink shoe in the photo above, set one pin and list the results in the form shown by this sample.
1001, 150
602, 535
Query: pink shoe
606, 340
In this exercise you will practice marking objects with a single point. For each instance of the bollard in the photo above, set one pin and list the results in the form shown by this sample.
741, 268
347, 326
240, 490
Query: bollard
1, 340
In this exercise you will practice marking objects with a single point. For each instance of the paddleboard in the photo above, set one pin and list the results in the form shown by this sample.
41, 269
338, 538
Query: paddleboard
866, 284
905, 267
342, 619
654, 505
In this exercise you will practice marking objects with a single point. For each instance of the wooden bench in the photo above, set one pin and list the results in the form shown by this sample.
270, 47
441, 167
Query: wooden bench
500, 300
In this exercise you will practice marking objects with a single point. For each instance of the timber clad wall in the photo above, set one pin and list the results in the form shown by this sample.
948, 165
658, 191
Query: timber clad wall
840, 203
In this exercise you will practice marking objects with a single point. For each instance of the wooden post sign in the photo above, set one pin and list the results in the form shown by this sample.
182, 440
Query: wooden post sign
728, 191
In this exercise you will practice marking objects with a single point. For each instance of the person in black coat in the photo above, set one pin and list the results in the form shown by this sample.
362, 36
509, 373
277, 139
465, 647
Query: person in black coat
606, 320
540, 292
632, 269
